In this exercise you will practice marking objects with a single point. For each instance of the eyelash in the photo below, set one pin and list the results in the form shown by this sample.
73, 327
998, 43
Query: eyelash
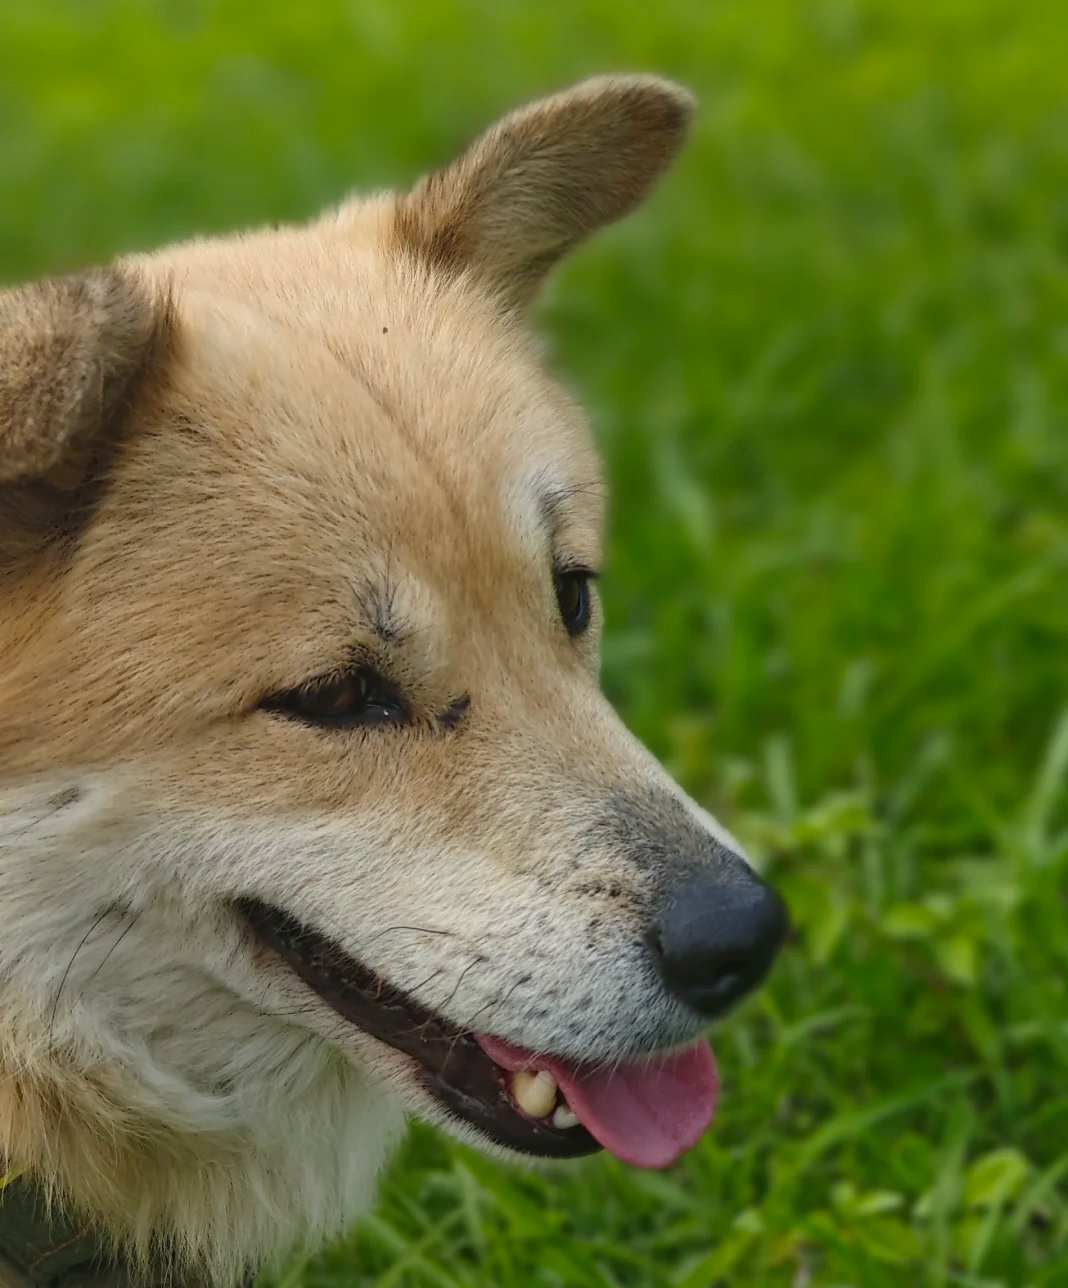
342, 700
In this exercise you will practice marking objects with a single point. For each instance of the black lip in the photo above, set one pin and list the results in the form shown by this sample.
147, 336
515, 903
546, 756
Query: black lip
453, 1066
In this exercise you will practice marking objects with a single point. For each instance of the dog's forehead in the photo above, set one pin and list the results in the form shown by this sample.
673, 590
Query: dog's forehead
392, 398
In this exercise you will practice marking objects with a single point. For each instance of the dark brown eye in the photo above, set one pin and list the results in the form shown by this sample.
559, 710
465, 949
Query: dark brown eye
573, 599
358, 697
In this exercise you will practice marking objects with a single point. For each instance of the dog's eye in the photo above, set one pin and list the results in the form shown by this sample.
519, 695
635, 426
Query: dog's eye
573, 599
359, 697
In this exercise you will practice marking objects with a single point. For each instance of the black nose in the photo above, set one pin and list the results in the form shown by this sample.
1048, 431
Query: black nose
717, 936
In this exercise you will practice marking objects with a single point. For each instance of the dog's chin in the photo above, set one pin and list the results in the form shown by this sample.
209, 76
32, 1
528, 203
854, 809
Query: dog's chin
441, 1072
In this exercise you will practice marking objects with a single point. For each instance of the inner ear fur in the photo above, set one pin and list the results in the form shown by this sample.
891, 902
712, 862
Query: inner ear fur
544, 178
72, 350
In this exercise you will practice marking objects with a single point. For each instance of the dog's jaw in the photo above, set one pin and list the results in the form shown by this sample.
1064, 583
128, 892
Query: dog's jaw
132, 1070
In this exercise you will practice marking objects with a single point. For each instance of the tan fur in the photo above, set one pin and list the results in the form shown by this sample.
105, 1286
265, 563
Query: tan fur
339, 450
69, 349
544, 178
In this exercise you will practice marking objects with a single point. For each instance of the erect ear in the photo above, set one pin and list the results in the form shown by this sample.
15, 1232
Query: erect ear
545, 177
71, 349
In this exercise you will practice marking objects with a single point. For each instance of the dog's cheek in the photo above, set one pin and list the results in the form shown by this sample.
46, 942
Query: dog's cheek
43, 812
66, 844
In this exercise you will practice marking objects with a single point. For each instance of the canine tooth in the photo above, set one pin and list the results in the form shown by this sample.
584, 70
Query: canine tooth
565, 1116
534, 1092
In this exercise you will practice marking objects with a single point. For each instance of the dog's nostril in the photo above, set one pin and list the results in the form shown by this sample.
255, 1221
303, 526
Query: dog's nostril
730, 968
726, 988
718, 938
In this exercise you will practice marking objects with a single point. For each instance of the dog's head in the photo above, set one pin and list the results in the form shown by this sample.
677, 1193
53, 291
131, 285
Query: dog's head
301, 741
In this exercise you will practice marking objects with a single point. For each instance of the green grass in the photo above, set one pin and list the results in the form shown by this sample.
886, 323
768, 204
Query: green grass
829, 367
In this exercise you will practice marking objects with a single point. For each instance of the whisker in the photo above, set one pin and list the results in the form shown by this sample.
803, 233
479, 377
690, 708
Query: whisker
70, 966
421, 930
523, 979
107, 955
477, 960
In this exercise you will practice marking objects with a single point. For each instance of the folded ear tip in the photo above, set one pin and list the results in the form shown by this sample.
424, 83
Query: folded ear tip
70, 349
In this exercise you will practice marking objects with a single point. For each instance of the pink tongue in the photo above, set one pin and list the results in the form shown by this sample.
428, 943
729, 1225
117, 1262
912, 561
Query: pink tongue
648, 1113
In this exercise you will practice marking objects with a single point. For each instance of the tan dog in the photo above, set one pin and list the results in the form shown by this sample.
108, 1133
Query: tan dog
311, 812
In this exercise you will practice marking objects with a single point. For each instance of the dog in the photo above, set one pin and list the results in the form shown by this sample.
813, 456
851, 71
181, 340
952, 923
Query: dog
312, 814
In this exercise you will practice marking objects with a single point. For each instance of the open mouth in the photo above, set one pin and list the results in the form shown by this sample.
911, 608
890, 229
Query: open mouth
646, 1111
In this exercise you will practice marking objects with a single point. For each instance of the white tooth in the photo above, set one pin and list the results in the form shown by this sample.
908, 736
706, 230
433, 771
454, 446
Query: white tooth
565, 1116
534, 1092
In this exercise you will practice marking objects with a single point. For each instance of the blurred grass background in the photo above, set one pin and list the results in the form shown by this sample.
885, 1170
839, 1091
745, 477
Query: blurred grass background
829, 367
